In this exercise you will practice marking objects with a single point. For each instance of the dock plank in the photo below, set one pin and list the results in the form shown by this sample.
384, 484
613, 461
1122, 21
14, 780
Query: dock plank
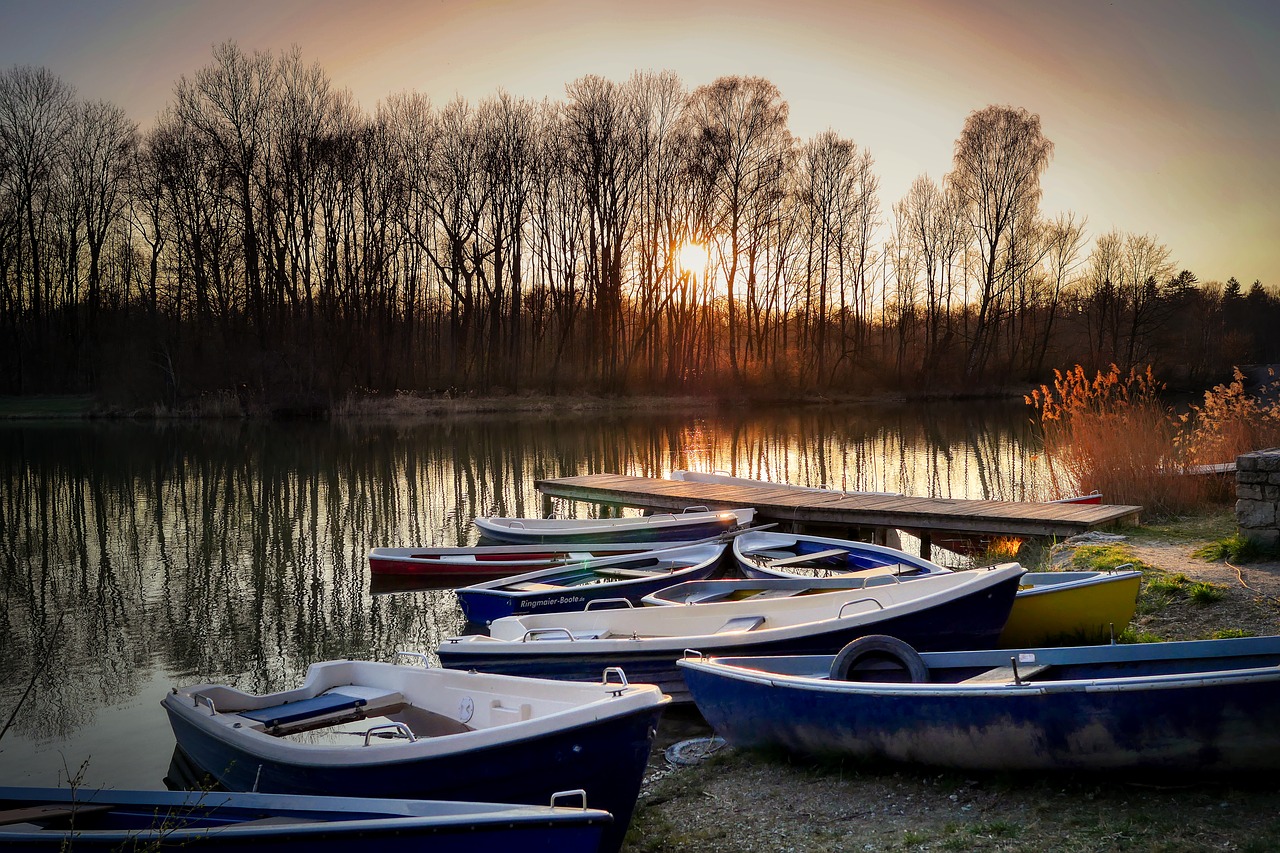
906, 512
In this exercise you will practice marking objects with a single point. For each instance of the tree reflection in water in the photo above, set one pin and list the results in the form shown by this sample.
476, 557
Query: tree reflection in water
236, 552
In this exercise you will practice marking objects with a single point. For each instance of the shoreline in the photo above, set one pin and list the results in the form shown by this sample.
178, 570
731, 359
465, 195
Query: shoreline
228, 406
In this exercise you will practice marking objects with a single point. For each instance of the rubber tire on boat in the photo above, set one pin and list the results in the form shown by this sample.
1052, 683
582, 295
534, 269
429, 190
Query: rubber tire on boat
881, 646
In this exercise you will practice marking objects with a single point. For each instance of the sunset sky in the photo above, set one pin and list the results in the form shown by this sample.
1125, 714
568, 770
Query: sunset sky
1165, 114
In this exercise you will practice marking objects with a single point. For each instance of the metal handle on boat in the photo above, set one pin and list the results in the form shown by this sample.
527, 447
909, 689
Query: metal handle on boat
840, 615
534, 633
694, 653
661, 515
419, 656
1119, 568
518, 524
577, 792
698, 508
623, 684
200, 697
399, 727
625, 601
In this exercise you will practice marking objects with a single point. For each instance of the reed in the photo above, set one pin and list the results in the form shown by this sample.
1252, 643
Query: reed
1229, 422
1115, 433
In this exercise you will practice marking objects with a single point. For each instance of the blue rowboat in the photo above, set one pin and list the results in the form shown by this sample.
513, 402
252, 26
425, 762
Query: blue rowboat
948, 611
1203, 706
365, 729
52, 819
782, 555
621, 580
693, 524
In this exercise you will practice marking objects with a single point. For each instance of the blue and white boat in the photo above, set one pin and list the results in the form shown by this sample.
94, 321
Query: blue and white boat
357, 728
761, 554
694, 523
949, 611
604, 582
1203, 706
40, 820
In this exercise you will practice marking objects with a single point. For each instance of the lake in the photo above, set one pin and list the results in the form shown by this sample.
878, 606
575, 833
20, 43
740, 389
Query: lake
136, 556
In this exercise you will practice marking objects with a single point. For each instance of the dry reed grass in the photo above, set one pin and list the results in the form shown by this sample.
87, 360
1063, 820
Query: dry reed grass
1115, 433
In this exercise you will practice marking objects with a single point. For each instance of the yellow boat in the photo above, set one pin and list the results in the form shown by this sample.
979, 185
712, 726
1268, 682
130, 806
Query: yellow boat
1052, 608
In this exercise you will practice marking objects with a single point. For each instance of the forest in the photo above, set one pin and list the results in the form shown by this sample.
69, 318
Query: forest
268, 238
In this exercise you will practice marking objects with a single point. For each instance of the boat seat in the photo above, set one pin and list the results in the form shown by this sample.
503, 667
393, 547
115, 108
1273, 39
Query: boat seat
799, 559
631, 573
740, 624
1004, 674
704, 597
332, 703
500, 714
533, 586
781, 593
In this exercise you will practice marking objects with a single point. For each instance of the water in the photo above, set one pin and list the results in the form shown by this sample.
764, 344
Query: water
136, 557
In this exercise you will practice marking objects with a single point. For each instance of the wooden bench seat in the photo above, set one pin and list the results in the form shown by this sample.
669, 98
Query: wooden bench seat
799, 559
1004, 674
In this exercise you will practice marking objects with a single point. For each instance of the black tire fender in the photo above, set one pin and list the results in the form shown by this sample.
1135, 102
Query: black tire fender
879, 646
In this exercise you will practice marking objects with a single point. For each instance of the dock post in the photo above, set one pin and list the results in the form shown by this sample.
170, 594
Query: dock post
926, 545
547, 506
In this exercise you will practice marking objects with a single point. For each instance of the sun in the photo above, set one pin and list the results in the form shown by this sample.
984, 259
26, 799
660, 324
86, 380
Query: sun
694, 258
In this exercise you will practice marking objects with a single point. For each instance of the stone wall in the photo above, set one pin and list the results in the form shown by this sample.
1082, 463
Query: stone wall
1258, 496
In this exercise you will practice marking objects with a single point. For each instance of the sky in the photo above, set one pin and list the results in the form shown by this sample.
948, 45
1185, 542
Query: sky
1164, 114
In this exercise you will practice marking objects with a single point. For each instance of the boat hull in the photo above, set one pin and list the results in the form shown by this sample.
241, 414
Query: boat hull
1095, 610
663, 527
472, 564
1214, 721
216, 821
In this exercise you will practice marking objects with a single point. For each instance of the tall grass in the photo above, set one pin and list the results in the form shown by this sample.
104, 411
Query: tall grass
1116, 434
1228, 423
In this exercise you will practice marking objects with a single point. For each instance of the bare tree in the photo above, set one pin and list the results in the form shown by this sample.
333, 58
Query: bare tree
1145, 271
100, 148
604, 152
1065, 239
740, 153
999, 158
36, 110
930, 221
226, 106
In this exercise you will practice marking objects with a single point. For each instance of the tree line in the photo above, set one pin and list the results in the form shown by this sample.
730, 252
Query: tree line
267, 235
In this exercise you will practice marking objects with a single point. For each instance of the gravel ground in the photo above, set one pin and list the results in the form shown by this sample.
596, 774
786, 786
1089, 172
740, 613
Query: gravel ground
737, 801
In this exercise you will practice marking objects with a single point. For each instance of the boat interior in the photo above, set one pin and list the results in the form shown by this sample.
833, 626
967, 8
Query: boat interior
410, 703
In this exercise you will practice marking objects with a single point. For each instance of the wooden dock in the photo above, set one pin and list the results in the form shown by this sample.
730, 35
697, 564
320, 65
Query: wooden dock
794, 509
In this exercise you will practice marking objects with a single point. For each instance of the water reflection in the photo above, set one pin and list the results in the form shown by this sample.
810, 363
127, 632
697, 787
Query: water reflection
137, 556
